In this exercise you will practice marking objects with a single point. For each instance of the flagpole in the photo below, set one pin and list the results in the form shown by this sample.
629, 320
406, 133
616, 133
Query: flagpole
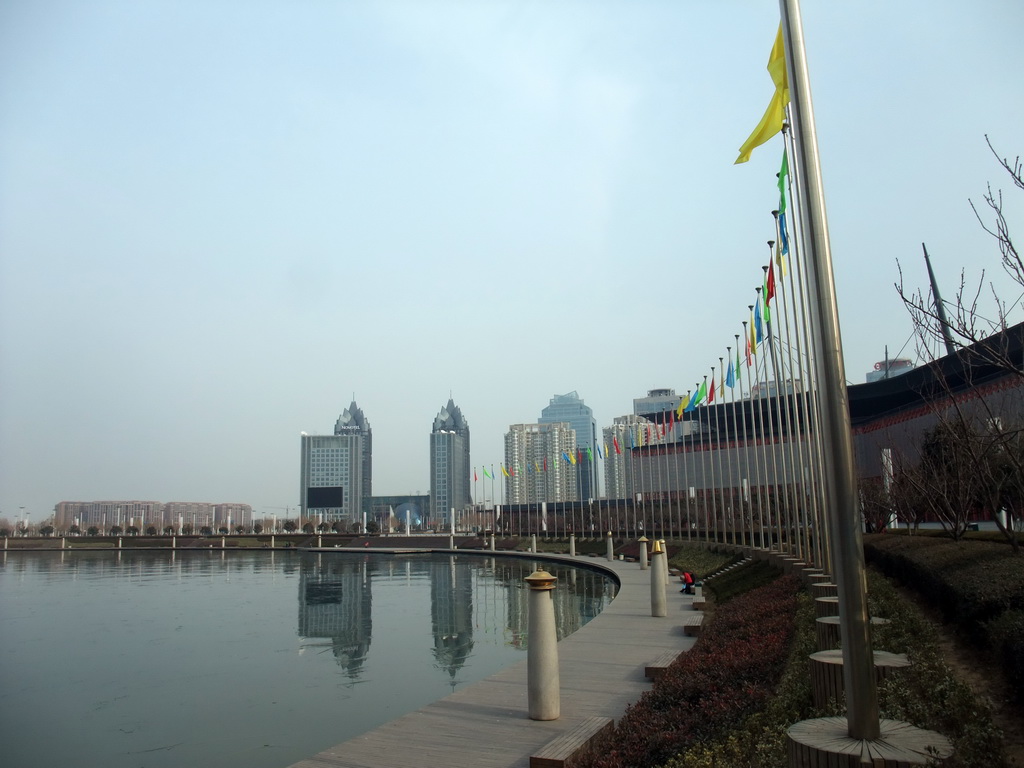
781, 473
747, 495
858, 659
764, 496
676, 446
727, 505
753, 449
816, 450
736, 472
796, 444
797, 510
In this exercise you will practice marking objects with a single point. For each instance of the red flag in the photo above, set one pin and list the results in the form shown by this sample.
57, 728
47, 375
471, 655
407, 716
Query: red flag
770, 284
545, 463
579, 455
711, 391
474, 474
672, 421
615, 442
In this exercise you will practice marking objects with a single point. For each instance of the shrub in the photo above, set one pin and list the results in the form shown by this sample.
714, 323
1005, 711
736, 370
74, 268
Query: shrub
730, 673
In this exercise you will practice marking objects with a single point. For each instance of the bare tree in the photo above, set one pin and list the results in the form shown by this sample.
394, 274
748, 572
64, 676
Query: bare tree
973, 459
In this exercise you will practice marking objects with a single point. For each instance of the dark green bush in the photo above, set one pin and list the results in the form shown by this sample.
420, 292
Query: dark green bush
754, 574
730, 673
972, 583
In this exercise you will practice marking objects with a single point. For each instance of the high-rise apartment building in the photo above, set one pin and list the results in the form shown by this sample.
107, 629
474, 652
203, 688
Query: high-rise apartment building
619, 438
335, 470
449, 464
569, 408
533, 455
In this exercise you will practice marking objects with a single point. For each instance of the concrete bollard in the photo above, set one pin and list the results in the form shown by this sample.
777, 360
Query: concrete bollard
533, 543
118, 542
543, 692
174, 542
643, 553
664, 561
319, 541
659, 600
222, 542
572, 545
451, 541
493, 545
609, 547
272, 537
63, 542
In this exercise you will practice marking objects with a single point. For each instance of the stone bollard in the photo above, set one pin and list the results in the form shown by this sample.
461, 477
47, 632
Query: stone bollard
118, 542
542, 649
659, 601
664, 561
492, 543
272, 537
533, 543
643, 553
319, 541
572, 545
63, 542
174, 542
222, 542
451, 541
609, 547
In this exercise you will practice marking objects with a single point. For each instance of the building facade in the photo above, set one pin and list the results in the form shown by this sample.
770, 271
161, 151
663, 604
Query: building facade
336, 470
449, 464
177, 515
537, 471
618, 468
657, 401
570, 409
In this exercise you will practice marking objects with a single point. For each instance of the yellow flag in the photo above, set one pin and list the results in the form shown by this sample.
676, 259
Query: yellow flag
771, 121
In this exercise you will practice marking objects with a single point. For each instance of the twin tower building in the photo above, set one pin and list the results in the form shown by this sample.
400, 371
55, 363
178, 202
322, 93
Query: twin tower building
337, 470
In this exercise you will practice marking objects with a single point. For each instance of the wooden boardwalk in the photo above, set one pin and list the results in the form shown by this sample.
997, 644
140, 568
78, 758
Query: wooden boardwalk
485, 724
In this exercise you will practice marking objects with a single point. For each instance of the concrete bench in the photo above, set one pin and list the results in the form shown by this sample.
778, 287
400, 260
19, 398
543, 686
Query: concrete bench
692, 624
698, 603
655, 669
560, 750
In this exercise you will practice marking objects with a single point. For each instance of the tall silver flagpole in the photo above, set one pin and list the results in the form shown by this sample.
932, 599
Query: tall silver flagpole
746, 499
755, 435
816, 451
858, 660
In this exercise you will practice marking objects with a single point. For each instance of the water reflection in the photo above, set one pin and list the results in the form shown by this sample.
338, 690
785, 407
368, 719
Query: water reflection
335, 596
465, 593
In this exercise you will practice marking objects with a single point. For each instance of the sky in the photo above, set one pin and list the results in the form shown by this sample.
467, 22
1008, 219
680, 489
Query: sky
221, 221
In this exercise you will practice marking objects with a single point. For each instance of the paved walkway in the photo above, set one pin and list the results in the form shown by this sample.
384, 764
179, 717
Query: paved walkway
601, 671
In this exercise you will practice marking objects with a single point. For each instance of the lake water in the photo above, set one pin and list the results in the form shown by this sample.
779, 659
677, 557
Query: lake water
255, 659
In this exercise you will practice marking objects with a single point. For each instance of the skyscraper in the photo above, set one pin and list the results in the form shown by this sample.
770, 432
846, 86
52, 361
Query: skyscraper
618, 465
570, 409
449, 464
335, 470
533, 452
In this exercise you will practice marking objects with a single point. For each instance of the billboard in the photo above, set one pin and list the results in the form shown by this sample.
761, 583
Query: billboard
326, 497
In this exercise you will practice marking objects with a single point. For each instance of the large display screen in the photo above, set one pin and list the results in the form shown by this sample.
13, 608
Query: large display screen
323, 498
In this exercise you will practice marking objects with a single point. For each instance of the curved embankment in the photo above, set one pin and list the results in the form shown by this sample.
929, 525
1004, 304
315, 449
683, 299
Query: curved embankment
601, 671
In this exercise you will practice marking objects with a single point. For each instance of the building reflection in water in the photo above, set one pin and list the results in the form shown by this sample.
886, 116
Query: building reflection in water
334, 603
451, 613
467, 594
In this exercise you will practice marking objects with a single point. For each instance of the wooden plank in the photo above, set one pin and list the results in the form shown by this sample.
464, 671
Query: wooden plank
559, 751
655, 669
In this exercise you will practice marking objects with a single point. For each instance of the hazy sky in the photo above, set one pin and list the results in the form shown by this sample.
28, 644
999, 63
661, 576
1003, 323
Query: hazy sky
220, 220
